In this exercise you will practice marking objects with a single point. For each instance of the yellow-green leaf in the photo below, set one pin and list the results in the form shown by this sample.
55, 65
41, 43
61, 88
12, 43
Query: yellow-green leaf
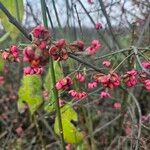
1, 64
30, 92
12, 7
71, 134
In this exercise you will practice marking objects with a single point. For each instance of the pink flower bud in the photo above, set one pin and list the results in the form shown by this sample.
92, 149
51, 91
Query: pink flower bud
104, 94
147, 84
92, 85
80, 77
117, 105
98, 26
106, 63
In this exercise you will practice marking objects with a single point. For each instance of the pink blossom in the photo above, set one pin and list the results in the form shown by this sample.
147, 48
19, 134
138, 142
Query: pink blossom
5, 55
77, 95
73, 93
64, 83
68, 147
60, 43
92, 85
117, 105
106, 63
104, 94
130, 78
95, 46
147, 84
111, 80
80, 77
33, 70
146, 64
98, 26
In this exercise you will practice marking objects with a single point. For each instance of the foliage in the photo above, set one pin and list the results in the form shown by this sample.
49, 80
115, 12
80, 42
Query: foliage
30, 92
11, 6
71, 133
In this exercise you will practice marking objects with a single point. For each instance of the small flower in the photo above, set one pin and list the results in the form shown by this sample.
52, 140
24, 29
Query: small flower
64, 83
33, 70
111, 80
92, 85
98, 26
130, 78
95, 46
68, 147
146, 64
104, 94
147, 84
60, 43
80, 77
77, 95
117, 105
12, 54
106, 63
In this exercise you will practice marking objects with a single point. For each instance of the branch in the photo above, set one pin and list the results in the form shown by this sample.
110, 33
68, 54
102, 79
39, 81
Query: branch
109, 23
14, 21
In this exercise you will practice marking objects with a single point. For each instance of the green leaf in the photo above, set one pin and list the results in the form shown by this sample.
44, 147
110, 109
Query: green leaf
50, 106
71, 133
11, 6
2, 64
30, 92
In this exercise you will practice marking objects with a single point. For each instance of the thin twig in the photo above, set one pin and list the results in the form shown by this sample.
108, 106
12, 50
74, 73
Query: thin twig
15, 22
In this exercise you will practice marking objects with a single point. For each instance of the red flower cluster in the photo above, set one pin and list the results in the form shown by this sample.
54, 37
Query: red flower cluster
95, 46
41, 37
64, 83
111, 80
130, 78
12, 54
77, 95
58, 51
92, 85
37, 54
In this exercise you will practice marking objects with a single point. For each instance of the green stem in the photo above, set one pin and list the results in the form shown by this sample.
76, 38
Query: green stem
56, 98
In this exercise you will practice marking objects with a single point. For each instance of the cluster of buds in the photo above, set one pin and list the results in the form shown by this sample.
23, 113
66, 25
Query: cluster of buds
77, 95
92, 85
12, 54
111, 80
64, 83
94, 47
130, 78
37, 54
58, 51
41, 37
